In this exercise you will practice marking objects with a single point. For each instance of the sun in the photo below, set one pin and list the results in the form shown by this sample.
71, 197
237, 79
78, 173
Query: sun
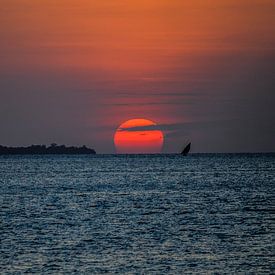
129, 140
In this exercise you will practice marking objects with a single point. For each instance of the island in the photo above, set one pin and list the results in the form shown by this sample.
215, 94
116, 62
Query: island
44, 150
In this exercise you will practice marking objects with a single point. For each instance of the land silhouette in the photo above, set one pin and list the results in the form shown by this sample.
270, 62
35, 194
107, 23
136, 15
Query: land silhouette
44, 150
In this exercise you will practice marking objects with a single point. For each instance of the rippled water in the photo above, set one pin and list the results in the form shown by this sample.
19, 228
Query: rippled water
137, 214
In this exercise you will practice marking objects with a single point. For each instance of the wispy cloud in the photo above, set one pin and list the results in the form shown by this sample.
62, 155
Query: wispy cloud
179, 129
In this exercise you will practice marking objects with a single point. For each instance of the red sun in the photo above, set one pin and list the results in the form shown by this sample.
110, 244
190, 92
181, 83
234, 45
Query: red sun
138, 141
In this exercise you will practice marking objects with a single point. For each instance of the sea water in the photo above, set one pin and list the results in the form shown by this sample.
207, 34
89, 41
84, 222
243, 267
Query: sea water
137, 214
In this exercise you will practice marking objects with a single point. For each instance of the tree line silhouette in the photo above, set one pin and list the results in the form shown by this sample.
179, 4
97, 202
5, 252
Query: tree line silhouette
44, 150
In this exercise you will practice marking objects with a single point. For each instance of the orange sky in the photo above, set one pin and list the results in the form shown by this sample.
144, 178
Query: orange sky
116, 60
131, 36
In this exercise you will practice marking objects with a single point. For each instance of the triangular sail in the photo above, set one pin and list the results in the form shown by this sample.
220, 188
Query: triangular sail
186, 150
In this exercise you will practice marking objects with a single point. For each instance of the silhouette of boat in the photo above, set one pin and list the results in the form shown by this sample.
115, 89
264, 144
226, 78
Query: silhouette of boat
186, 150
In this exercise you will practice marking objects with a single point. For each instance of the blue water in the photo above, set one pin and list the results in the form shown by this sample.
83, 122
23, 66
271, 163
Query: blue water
137, 214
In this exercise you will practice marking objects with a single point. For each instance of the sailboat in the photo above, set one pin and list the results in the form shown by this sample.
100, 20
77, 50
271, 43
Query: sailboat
186, 150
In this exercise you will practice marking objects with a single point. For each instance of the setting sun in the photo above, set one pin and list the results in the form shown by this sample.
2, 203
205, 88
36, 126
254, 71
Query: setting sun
131, 140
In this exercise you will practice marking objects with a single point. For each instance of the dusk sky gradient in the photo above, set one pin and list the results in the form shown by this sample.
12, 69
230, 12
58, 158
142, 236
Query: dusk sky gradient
71, 71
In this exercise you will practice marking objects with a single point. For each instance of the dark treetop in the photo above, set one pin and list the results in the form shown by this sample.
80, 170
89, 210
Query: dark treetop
43, 149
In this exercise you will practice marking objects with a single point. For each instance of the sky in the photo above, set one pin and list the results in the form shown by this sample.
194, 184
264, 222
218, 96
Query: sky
71, 71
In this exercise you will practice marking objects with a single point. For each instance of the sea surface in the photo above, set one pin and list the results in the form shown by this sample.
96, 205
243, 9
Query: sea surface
139, 214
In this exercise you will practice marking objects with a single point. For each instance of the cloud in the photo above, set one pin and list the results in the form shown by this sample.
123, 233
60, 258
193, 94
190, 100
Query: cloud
171, 127
179, 129
151, 103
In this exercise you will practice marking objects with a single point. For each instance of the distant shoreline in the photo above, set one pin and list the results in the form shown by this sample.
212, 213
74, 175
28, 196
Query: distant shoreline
53, 149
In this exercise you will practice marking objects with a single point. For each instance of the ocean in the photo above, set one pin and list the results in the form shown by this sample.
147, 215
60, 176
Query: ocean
137, 214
